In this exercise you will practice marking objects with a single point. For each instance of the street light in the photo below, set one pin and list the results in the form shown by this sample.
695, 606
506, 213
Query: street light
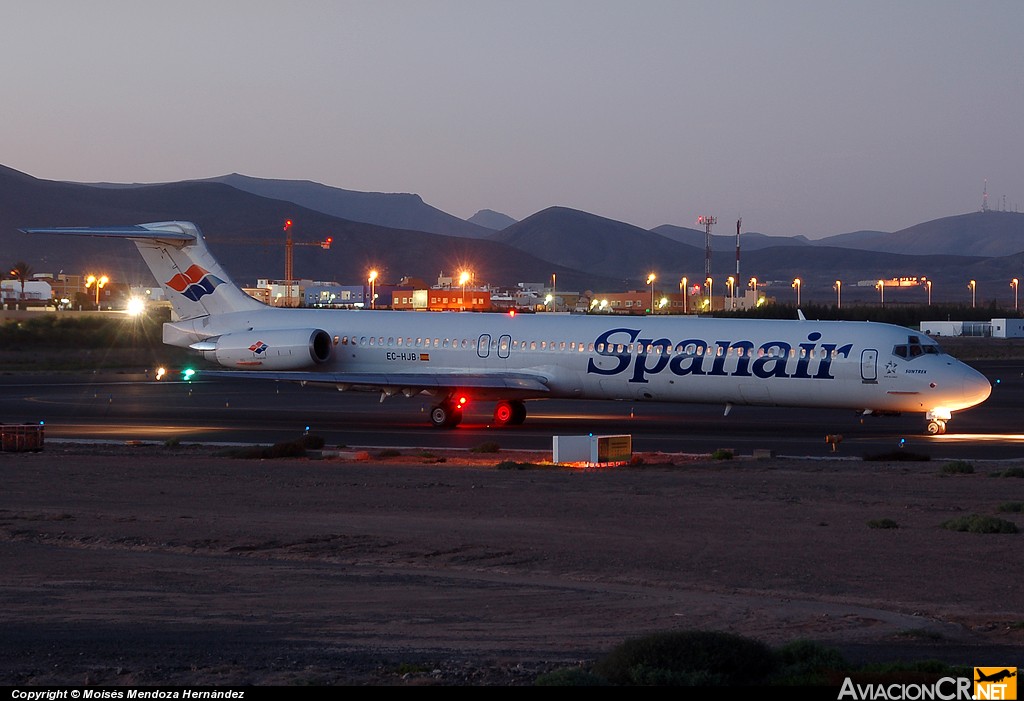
463, 279
373, 289
839, 294
650, 281
711, 304
97, 282
1013, 283
731, 282
881, 290
796, 284
974, 292
682, 292
928, 286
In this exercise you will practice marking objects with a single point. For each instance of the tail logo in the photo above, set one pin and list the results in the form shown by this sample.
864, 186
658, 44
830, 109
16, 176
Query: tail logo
258, 348
194, 283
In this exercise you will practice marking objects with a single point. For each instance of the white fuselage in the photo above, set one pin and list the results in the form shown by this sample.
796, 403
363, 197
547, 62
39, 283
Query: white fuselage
857, 365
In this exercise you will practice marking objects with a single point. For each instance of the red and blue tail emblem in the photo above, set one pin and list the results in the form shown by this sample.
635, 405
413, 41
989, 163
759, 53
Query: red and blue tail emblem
194, 283
258, 347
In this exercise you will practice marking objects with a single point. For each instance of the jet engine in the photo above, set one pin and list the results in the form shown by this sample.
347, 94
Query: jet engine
284, 349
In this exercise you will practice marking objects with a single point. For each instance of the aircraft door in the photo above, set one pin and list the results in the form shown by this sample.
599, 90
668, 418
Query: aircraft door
504, 345
483, 346
869, 366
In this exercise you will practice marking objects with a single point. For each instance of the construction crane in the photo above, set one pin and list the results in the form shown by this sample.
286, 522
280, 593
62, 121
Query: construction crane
289, 250
289, 253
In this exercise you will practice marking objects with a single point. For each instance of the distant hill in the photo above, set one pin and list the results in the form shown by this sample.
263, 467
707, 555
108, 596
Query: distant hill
598, 245
748, 241
393, 210
488, 218
243, 231
585, 251
861, 240
976, 234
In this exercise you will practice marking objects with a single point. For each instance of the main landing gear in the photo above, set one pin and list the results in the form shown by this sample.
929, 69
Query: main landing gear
447, 414
509, 412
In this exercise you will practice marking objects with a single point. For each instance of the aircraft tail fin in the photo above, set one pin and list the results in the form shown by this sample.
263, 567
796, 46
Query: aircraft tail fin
176, 253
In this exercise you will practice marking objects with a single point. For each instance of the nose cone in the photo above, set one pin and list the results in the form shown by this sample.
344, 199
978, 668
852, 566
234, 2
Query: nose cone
977, 388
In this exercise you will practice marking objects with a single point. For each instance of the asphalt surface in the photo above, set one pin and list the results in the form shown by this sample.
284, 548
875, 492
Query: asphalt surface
135, 408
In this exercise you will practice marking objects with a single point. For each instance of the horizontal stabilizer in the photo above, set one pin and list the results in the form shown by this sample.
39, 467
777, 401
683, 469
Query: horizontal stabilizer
167, 231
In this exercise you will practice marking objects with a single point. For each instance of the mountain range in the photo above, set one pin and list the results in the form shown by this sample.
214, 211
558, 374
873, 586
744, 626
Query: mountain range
402, 235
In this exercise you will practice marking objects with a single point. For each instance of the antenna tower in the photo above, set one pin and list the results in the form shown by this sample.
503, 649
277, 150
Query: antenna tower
708, 221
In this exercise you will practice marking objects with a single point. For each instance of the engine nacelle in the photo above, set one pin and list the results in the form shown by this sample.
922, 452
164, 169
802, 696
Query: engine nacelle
286, 349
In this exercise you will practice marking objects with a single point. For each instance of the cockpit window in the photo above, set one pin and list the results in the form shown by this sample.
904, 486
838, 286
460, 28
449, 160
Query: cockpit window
914, 348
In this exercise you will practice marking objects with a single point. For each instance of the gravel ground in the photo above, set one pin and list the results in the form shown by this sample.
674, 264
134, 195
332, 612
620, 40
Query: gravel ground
147, 565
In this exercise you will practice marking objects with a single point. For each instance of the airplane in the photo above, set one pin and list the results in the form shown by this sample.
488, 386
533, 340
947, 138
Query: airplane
509, 358
999, 676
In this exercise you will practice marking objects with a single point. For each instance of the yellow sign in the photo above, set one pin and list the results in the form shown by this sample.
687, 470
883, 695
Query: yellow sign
995, 682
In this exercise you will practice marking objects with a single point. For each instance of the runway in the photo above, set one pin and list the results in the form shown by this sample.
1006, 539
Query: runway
136, 408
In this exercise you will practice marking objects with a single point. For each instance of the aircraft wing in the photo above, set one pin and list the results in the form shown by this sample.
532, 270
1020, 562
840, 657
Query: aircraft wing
520, 383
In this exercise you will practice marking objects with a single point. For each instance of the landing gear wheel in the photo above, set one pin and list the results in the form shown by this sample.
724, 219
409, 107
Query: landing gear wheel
446, 415
509, 412
936, 428
518, 413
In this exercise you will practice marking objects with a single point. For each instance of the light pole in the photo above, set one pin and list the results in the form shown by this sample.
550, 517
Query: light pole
839, 294
97, 283
1013, 283
463, 279
731, 282
682, 292
711, 298
974, 293
373, 289
554, 290
881, 290
928, 286
650, 281
796, 284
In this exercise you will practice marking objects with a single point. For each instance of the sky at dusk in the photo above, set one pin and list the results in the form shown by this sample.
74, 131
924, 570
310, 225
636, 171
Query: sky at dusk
811, 118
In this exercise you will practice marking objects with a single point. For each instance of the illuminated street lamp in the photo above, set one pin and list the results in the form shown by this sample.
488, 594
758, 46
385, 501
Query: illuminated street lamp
463, 279
682, 292
928, 286
839, 293
650, 281
373, 289
97, 283
1013, 283
881, 290
973, 285
796, 284
711, 304
731, 282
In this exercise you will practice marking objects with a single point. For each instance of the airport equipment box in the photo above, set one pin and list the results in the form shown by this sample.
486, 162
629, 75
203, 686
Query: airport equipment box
591, 449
